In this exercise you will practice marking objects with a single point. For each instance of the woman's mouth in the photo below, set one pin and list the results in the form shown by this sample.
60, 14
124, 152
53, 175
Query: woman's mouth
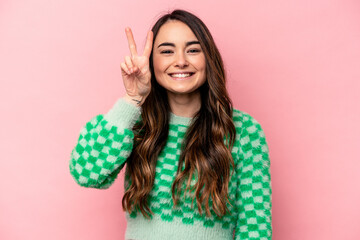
181, 76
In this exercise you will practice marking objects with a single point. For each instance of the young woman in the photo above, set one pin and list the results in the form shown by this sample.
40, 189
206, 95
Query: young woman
196, 168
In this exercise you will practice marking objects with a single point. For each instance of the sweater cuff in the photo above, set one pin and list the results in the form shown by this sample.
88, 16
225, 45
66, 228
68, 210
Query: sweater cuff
123, 114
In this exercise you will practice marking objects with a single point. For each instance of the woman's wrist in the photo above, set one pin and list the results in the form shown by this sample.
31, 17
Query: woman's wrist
137, 101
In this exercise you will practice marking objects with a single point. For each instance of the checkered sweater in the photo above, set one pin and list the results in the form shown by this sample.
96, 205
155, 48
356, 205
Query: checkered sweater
106, 141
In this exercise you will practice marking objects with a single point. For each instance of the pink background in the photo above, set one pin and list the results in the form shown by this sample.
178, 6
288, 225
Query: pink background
293, 65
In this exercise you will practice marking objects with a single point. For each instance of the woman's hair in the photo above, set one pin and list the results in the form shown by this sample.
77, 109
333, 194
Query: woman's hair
204, 156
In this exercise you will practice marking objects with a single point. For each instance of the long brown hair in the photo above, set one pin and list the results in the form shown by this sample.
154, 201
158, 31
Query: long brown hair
204, 153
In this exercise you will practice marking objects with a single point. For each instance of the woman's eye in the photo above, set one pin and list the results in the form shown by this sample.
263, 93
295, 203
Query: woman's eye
194, 50
166, 51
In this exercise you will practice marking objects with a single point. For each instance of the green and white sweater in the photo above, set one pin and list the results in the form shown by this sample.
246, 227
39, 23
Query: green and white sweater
106, 141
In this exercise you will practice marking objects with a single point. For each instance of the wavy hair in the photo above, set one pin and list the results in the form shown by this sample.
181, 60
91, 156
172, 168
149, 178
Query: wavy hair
204, 155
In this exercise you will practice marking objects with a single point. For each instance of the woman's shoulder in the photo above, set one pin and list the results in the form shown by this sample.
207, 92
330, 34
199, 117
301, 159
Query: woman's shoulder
244, 121
241, 117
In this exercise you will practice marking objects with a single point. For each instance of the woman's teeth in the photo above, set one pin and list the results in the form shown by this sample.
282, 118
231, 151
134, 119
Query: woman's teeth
180, 75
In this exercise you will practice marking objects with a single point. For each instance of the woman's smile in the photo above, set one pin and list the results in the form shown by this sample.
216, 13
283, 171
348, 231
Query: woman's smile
181, 75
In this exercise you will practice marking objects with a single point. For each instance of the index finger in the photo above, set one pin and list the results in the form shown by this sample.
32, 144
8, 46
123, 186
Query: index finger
148, 44
131, 41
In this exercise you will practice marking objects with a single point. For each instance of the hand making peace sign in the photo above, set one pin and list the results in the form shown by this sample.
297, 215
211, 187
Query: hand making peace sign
135, 70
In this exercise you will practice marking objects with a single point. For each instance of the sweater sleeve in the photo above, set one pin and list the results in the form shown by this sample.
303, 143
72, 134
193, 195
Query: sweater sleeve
254, 191
104, 144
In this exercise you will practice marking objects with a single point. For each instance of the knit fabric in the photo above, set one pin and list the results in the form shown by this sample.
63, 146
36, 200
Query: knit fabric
106, 141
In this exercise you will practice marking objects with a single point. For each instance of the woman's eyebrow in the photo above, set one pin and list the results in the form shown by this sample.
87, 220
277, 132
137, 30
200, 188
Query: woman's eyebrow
173, 45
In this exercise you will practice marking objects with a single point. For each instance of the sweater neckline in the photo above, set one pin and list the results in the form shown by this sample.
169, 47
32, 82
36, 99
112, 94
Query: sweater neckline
175, 119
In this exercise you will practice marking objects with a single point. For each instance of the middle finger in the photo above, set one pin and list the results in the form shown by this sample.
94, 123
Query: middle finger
131, 41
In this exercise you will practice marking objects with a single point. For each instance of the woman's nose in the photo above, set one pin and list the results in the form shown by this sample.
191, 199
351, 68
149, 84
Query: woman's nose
180, 60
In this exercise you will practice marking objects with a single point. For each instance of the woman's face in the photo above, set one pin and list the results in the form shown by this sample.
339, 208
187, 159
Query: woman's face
178, 60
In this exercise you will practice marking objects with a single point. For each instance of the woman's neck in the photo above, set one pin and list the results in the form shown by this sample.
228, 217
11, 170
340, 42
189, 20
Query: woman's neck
184, 105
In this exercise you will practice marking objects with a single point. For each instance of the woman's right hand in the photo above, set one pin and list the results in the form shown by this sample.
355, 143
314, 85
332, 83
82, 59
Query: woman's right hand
135, 70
